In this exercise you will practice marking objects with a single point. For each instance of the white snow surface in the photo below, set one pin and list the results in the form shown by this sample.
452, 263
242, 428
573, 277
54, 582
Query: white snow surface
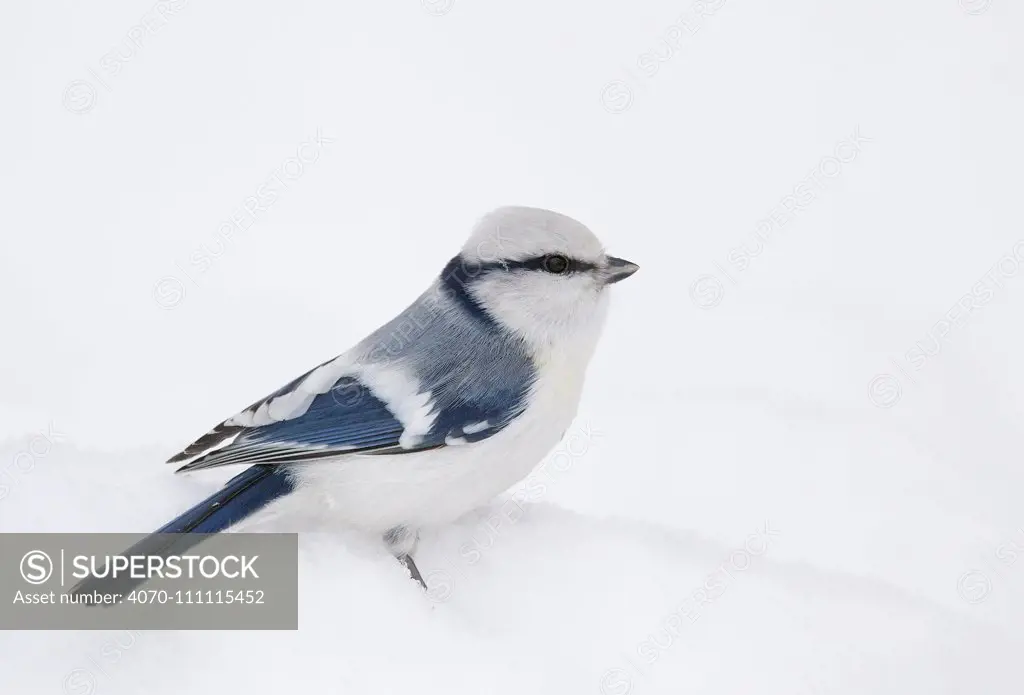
796, 467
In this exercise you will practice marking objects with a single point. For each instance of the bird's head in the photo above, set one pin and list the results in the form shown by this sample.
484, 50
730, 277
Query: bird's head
540, 274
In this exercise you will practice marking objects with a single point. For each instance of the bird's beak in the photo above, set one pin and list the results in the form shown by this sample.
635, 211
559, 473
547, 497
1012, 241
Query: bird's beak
618, 269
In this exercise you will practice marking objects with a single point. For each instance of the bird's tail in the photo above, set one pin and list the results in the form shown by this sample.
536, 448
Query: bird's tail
242, 496
245, 494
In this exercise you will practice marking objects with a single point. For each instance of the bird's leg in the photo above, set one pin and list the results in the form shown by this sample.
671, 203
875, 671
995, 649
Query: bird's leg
414, 571
401, 542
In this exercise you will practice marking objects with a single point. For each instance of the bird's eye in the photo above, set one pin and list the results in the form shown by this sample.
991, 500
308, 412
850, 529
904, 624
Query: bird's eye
556, 263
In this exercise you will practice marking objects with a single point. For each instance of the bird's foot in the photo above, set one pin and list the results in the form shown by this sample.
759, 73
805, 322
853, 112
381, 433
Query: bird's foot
401, 541
414, 571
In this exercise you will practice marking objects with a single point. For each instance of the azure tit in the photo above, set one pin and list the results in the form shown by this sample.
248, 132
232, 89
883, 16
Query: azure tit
439, 410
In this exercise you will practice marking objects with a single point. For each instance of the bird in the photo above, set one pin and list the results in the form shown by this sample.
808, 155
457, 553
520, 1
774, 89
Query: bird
444, 407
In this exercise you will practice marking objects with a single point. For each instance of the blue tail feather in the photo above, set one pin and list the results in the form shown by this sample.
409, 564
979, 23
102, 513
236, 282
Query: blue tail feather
245, 494
242, 496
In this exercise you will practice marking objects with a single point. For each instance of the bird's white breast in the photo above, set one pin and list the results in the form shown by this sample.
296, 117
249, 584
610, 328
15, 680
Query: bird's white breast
377, 493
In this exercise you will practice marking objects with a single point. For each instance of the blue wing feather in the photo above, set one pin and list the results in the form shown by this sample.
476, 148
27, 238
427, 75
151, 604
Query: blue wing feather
349, 418
476, 375
345, 419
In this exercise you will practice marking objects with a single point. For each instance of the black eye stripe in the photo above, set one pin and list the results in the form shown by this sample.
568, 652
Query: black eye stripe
538, 263
460, 274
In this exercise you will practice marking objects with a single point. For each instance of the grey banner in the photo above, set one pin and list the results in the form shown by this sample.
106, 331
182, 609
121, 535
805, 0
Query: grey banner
100, 581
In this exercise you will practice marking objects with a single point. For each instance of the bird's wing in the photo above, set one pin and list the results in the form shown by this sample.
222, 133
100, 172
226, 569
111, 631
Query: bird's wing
339, 408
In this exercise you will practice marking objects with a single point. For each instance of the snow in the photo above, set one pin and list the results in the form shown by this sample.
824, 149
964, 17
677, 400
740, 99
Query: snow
795, 468
527, 596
